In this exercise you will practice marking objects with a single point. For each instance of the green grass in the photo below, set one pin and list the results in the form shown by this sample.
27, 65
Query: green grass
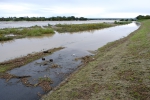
81, 27
121, 70
38, 31
3, 38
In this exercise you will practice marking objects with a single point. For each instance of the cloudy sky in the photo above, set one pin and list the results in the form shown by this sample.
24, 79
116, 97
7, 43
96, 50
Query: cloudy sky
78, 8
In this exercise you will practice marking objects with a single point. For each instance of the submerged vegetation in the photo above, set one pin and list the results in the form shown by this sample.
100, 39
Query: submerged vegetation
122, 22
12, 33
120, 70
80, 27
84, 27
8, 65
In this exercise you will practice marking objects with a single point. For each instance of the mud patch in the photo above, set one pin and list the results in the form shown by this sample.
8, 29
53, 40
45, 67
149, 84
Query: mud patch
26, 82
8, 76
55, 66
45, 85
85, 59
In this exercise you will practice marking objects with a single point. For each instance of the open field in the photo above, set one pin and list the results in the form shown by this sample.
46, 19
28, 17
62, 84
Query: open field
120, 70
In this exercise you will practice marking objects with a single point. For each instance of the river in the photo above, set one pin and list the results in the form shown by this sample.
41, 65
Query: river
17, 24
87, 40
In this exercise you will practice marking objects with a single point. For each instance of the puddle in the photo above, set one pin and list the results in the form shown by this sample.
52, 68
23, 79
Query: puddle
65, 59
15, 90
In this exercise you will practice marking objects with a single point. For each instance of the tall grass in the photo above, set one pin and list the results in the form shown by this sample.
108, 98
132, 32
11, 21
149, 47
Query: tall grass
9, 31
80, 27
36, 31
3, 38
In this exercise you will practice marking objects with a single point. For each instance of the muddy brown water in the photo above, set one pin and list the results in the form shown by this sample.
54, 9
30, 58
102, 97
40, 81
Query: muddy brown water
77, 45
87, 40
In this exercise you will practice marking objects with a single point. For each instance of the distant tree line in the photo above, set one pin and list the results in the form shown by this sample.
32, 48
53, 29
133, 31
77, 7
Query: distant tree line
128, 19
143, 17
58, 18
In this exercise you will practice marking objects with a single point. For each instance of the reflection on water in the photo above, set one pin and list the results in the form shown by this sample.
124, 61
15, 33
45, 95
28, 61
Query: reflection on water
87, 40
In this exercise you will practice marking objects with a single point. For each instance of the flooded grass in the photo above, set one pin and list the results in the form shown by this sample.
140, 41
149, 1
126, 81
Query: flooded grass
122, 22
120, 70
45, 83
80, 27
23, 32
18, 62
15, 33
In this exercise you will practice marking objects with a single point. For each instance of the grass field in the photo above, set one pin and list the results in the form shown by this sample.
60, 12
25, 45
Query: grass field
120, 71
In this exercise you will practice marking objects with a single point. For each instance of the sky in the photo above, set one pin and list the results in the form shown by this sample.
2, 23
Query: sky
77, 8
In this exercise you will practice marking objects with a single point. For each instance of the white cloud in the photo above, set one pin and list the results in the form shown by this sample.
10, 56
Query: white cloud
85, 8
78, 11
12, 8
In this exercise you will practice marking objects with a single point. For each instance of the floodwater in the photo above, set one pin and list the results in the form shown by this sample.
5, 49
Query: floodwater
76, 45
17, 24
15, 90
87, 40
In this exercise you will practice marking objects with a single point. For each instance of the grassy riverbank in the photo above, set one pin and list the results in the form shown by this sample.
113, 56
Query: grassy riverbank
120, 71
